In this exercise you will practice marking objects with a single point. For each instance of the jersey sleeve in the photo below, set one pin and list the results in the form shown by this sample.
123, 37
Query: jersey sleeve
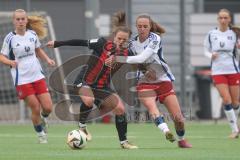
96, 44
151, 49
72, 42
6, 46
207, 45
37, 42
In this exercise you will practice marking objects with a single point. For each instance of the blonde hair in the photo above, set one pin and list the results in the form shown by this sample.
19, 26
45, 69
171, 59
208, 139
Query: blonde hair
36, 23
119, 23
155, 27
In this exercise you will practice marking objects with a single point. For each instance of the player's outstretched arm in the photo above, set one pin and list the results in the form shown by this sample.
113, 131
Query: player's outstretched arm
73, 42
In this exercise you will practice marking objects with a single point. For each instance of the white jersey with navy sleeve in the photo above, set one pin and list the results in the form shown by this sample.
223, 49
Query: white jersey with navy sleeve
224, 44
150, 52
22, 50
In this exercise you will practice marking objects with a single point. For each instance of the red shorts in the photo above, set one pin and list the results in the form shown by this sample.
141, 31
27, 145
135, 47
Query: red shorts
163, 89
37, 87
230, 79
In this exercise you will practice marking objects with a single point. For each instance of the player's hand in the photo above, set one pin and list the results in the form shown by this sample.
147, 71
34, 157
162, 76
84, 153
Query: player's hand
151, 75
50, 44
214, 55
110, 61
51, 62
238, 44
13, 64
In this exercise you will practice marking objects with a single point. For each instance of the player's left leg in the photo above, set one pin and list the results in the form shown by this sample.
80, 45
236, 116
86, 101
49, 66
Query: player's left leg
171, 103
234, 92
114, 102
45, 101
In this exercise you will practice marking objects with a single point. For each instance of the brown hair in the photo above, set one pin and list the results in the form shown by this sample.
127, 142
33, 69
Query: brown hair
155, 27
119, 23
36, 23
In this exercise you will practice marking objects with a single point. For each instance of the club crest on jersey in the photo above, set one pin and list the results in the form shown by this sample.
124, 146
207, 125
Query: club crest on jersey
222, 44
27, 48
154, 44
31, 39
229, 37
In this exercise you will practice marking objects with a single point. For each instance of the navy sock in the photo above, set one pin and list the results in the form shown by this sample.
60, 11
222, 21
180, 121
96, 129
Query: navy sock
38, 128
228, 107
159, 120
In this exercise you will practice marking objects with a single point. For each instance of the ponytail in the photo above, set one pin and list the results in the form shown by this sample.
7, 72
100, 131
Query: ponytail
38, 24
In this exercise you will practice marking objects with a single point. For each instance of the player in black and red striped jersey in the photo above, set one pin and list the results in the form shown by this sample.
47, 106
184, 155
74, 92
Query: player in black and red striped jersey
94, 80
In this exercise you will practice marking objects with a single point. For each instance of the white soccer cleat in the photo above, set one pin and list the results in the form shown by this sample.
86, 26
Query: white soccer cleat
127, 145
88, 134
42, 138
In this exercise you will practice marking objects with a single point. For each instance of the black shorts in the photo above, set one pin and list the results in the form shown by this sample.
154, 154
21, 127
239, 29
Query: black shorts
100, 94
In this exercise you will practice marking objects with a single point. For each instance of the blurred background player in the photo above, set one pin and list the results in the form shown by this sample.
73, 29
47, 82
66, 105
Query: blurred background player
93, 82
155, 81
220, 45
21, 50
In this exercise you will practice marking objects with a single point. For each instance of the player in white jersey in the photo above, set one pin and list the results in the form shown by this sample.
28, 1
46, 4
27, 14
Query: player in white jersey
220, 45
20, 51
155, 81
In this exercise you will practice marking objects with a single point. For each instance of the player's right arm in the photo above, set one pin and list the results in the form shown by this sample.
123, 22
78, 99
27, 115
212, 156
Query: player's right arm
5, 60
91, 44
4, 54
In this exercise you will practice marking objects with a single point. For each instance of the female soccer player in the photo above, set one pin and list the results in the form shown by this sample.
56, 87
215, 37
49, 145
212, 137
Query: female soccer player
220, 45
94, 82
20, 51
155, 81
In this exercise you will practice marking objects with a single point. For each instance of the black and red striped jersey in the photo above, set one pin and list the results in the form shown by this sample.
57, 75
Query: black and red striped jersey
96, 74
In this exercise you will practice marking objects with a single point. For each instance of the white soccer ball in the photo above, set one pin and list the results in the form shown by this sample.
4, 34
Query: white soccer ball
76, 139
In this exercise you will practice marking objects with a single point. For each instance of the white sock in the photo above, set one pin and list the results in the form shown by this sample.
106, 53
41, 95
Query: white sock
237, 111
121, 142
42, 133
232, 120
81, 125
163, 127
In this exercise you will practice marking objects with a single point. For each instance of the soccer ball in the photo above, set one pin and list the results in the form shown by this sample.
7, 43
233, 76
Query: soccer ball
76, 139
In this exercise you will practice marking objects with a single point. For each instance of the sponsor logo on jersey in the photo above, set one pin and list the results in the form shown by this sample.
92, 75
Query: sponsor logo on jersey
222, 44
31, 39
27, 48
153, 45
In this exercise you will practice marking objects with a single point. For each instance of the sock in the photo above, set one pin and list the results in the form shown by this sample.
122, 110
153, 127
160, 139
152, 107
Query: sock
236, 111
121, 125
38, 128
231, 117
44, 115
180, 134
84, 112
160, 123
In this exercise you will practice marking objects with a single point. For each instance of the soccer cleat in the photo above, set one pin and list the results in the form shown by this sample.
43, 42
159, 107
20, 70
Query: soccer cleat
42, 138
127, 145
234, 135
44, 124
88, 134
170, 137
184, 144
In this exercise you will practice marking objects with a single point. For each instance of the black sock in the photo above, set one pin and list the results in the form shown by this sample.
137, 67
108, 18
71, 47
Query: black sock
45, 115
84, 112
121, 125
